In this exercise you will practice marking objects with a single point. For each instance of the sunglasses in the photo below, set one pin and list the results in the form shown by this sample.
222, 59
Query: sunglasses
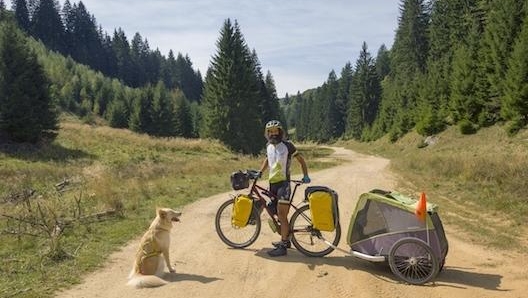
273, 131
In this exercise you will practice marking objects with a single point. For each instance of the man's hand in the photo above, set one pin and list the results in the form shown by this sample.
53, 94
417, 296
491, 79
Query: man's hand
306, 179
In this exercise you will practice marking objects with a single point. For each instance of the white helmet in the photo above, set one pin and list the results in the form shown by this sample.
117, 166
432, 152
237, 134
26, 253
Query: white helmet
272, 125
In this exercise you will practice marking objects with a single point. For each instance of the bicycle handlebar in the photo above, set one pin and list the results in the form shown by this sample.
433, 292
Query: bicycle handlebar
255, 174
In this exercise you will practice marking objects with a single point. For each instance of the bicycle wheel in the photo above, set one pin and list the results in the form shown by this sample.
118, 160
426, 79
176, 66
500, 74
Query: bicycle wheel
232, 235
413, 261
308, 240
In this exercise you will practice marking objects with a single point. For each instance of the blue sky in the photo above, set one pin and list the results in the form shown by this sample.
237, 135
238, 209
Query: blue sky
299, 42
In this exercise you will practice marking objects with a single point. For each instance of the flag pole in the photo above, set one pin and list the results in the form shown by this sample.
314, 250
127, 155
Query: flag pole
421, 213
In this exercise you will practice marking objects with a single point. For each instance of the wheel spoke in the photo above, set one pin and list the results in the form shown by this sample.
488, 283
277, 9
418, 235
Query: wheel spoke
412, 260
237, 237
309, 241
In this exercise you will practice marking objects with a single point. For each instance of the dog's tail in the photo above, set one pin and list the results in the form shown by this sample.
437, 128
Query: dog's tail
145, 281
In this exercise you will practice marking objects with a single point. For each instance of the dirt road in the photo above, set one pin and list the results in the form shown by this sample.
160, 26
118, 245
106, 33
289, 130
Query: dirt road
205, 267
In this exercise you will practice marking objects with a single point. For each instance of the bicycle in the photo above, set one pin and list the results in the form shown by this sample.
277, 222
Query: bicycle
304, 237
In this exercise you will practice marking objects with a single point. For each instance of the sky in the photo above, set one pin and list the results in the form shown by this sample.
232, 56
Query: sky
298, 41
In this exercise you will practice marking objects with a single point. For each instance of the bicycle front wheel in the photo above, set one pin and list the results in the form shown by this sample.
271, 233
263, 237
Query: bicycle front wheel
308, 240
236, 237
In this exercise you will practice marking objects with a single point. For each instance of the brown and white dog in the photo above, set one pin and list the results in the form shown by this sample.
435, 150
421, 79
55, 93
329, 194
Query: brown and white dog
153, 251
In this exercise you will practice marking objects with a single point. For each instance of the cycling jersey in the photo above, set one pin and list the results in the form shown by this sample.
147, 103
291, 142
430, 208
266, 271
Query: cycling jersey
279, 159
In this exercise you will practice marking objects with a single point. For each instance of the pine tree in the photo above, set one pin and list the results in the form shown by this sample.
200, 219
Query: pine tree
109, 63
117, 113
332, 113
409, 52
466, 101
443, 34
383, 62
140, 116
342, 99
183, 118
86, 41
46, 24
153, 64
515, 100
22, 14
68, 21
189, 81
408, 62
121, 49
365, 93
272, 100
3, 13
27, 113
231, 96
503, 24
139, 51
161, 112
268, 95
168, 71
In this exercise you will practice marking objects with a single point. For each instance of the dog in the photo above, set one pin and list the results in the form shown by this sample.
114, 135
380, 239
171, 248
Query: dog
153, 250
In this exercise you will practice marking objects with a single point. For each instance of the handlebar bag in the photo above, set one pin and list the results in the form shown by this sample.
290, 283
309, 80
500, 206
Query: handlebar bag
239, 180
241, 210
323, 207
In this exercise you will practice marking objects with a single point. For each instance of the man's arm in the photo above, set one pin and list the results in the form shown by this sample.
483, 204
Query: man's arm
264, 165
300, 158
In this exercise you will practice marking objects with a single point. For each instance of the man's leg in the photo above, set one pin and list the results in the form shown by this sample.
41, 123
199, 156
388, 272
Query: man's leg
282, 213
281, 247
283, 210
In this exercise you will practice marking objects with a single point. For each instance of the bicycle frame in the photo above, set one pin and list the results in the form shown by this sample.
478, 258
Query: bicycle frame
260, 192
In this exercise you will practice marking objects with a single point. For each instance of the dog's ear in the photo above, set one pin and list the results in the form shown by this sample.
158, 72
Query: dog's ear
162, 213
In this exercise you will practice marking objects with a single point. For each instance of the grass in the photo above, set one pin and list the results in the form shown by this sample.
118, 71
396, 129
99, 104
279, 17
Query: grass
101, 169
478, 180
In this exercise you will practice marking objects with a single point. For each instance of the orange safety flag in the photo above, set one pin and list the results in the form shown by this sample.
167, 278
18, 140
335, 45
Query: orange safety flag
421, 207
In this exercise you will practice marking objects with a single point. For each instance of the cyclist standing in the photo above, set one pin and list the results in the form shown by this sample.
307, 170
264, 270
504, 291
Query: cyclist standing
279, 152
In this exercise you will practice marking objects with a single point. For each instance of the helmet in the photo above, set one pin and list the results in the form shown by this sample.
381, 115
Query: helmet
271, 126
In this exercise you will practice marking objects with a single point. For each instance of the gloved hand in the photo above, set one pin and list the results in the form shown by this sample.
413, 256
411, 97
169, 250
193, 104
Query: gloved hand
259, 173
306, 179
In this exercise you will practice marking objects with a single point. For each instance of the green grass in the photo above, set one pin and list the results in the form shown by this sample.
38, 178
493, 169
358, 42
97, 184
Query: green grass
106, 169
478, 180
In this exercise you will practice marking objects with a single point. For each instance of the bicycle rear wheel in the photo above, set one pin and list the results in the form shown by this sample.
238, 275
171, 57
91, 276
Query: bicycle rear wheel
308, 240
232, 235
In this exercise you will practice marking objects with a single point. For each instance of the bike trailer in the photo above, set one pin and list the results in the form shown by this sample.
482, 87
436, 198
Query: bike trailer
323, 207
241, 210
382, 218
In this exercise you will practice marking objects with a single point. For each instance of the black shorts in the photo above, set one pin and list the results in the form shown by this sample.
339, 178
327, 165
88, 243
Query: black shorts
281, 190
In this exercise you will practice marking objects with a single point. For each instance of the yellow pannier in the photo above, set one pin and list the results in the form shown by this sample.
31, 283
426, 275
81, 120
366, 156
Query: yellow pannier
241, 210
323, 207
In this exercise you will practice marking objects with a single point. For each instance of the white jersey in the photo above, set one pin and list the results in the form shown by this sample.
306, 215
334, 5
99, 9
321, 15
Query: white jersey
279, 159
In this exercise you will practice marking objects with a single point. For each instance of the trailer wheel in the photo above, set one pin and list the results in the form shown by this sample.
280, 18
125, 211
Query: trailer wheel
413, 261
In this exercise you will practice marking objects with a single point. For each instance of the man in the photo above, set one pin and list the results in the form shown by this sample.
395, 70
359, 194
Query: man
279, 152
